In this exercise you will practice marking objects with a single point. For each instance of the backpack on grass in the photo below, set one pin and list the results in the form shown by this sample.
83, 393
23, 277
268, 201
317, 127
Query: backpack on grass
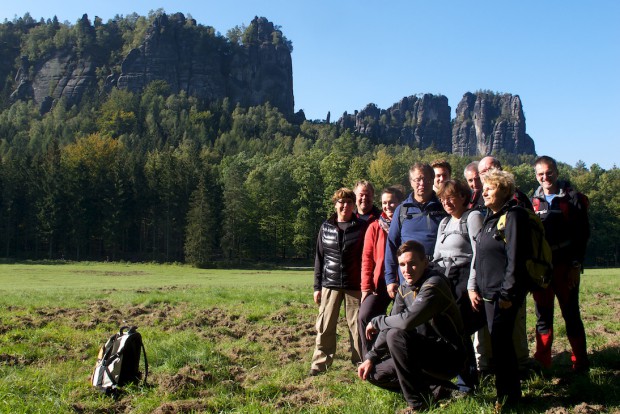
118, 362
539, 260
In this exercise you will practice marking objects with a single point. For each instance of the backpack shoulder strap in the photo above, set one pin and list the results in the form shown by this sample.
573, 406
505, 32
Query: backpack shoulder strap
443, 224
146, 362
403, 214
463, 222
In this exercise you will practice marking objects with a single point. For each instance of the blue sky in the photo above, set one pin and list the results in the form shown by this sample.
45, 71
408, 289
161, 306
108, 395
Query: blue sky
561, 57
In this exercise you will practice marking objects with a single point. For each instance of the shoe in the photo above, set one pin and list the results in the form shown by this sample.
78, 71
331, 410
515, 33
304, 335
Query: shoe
413, 409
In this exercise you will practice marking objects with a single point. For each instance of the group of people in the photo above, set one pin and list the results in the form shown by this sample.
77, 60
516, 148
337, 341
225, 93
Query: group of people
451, 256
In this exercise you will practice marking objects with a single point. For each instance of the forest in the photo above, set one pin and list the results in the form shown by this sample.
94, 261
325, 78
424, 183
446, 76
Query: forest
166, 177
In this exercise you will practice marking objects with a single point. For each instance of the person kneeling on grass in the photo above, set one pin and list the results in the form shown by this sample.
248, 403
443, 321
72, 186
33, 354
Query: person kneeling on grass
420, 347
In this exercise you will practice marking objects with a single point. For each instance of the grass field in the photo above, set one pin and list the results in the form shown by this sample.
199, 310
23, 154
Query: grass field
237, 341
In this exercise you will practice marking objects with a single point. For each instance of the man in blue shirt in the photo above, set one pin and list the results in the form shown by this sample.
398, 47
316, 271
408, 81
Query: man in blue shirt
417, 218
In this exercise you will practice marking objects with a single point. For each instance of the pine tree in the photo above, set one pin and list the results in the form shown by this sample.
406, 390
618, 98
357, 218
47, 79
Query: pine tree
200, 232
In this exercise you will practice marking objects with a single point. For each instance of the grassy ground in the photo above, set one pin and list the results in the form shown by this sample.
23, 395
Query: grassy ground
236, 341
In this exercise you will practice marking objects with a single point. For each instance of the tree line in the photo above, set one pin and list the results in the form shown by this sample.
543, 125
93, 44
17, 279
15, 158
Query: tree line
158, 176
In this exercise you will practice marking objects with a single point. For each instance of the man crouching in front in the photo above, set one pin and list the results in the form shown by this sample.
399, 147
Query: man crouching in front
419, 347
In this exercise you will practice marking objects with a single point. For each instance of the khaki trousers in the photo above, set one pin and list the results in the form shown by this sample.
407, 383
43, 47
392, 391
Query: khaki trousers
327, 322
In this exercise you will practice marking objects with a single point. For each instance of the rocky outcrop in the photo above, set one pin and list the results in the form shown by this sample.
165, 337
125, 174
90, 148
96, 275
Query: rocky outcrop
62, 74
487, 123
188, 57
249, 74
419, 121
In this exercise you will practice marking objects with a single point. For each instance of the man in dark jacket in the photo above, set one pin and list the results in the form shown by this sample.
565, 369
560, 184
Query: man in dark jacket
472, 176
337, 279
421, 343
564, 213
364, 197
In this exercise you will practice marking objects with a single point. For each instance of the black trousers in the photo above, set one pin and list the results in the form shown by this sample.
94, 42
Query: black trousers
458, 276
417, 363
373, 305
501, 324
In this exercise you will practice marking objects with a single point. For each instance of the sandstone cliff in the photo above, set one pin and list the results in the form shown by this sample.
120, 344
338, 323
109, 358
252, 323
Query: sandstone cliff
487, 123
417, 121
188, 57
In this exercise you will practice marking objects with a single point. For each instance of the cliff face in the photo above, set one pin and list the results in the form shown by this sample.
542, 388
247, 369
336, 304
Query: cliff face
188, 58
486, 123
417, 121
251, 74
62, 74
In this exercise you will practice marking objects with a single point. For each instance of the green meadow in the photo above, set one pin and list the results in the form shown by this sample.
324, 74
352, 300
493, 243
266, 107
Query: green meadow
238, 341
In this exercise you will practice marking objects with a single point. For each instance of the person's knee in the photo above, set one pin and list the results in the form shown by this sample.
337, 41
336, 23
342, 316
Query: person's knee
396, 337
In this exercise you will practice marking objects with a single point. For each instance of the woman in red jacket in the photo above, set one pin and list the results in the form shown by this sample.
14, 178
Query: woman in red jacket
375, 298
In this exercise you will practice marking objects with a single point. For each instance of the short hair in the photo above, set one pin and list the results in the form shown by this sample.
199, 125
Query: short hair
454, 187
395, 191
442, 164
424, 167
343, 193
503, 180
493, 162
472, 166
411, 246
545, 159
365, 183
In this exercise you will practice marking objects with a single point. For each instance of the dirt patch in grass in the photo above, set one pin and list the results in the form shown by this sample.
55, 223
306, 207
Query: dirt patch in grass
14, 360
99, 273
186, 379
297, 396
177, 407
584, 408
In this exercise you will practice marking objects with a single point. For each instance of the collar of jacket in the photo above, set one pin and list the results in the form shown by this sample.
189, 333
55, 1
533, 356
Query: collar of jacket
333, 219
411, 202
563, 189
418, 284
509, 204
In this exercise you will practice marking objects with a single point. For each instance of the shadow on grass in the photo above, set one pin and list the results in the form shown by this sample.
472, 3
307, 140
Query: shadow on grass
35, 262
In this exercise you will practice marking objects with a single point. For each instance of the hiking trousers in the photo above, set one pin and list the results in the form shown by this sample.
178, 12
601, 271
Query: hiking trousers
327, 323
568, 299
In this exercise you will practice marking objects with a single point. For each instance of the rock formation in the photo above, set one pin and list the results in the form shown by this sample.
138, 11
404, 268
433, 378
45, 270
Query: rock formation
487, 123
417, 121
187, 57
252, 74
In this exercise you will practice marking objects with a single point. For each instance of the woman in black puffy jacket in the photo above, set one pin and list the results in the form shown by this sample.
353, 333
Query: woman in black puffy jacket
337, 279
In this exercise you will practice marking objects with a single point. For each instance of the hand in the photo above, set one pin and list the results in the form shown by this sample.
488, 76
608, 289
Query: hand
392, 288
364, 294
317, 297
364, 369
475, 299
504, 304
574, 274
370, 331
